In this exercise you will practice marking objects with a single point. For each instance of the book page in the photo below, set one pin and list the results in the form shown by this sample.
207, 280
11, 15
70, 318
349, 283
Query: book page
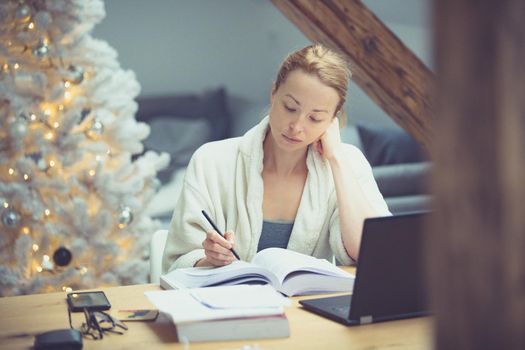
235, 273
283, 262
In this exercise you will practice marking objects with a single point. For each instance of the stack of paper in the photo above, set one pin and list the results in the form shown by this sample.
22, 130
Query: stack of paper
224, 313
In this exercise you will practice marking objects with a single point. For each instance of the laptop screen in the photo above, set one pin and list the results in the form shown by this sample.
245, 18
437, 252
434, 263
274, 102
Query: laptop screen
390, 271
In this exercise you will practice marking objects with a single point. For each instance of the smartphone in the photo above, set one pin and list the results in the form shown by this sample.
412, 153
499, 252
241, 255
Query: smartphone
91, 301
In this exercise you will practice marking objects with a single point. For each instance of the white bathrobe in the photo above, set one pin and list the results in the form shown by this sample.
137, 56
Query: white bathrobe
224, 178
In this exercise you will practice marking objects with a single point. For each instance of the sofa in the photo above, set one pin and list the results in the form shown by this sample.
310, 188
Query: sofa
399, 164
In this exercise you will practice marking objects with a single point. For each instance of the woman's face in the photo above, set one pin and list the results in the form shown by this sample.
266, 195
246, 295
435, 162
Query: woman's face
301, 110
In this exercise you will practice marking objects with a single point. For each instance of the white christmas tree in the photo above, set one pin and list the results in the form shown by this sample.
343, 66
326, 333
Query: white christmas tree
72, 197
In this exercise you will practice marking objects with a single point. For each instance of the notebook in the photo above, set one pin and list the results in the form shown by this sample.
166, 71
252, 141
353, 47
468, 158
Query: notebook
289, 272
389, 281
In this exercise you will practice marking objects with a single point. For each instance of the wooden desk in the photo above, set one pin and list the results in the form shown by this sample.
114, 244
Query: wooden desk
22, 317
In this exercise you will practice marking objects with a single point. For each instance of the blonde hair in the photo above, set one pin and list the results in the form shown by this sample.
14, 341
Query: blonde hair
328, 65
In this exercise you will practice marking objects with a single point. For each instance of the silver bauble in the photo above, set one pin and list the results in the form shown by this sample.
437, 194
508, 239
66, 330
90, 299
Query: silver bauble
75, 74
23, 13
41, 50
10, 218
125, 217
18, 129
95, 129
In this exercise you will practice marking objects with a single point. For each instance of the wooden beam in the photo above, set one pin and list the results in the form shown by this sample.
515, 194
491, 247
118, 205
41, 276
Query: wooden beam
381, 64
475, 250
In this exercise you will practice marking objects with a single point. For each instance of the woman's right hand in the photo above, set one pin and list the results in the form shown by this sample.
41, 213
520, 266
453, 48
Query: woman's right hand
217, 249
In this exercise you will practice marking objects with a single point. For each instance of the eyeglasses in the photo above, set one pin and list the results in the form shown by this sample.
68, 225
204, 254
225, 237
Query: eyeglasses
97, 323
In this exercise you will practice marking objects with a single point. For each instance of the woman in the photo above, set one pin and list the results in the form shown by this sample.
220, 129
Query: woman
288, 182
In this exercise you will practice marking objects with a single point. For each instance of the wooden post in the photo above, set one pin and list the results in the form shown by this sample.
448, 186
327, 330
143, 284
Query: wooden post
476, 250
382, 65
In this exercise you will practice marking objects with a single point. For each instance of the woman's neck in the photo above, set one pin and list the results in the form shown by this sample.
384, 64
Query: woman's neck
282, 163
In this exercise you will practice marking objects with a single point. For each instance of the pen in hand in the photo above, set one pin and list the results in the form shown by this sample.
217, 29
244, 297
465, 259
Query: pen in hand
218, 231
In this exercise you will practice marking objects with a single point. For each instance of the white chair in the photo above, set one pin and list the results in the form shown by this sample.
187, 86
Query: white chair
156, 249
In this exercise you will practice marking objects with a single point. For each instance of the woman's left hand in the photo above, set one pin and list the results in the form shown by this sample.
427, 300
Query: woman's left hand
330, 142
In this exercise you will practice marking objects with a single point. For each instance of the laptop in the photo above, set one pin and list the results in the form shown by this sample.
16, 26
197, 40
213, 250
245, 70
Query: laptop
389, 282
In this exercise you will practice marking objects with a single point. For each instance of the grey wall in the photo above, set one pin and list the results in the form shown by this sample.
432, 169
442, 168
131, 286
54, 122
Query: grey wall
181, 46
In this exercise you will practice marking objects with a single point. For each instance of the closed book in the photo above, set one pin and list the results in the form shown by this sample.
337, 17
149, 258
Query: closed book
243, 328
289, 272
224, 313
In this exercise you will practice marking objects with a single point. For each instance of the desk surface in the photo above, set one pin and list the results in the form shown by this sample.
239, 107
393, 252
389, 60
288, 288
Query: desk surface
22, 317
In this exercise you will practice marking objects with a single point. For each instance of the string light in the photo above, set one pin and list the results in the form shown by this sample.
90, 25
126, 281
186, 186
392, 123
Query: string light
51, 163
47, 112
60, 107
49, 135
11, 171
16, 66
6, 205
67, 289
83, 270
31, 25
35, 247
25, 230
26, 177
47, 212
92, 172
39, 269
56, 125
67, 95
33, 117
98, 158
67, 84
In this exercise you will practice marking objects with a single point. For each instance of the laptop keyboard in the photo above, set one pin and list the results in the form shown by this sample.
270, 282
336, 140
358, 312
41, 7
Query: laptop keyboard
341, 310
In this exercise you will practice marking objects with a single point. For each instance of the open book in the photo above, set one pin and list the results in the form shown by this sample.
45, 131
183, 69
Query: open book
289, 272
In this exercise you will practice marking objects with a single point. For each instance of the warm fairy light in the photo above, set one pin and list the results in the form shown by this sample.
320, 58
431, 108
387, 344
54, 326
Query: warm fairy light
67, 84
39, 269
56, 125
26, 177
6, 205
35, 247
16, 66
49, 135
83, 270
31, 25
32, 117
91, 172
11, 171
67, 289
45, 258
5, 67
47, 112
25, 230
60, 107
67, 95
98, 158
108, 152
51, 163
47, 212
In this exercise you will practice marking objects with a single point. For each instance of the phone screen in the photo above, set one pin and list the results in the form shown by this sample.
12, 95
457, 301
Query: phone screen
88, 300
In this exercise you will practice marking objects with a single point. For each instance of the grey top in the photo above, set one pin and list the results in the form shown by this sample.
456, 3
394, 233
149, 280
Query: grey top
275, 234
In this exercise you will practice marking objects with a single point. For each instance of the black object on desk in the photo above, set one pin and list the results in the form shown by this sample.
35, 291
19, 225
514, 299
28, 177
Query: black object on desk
61, 339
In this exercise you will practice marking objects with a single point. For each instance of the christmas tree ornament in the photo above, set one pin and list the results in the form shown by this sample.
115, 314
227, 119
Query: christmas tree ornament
75, 74
41, 50
23, 13
10, 218
62, 256
95, 130
18, 128
47, 264
125, 217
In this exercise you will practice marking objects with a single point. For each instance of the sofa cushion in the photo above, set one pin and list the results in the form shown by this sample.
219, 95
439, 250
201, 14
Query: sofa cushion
388, 145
